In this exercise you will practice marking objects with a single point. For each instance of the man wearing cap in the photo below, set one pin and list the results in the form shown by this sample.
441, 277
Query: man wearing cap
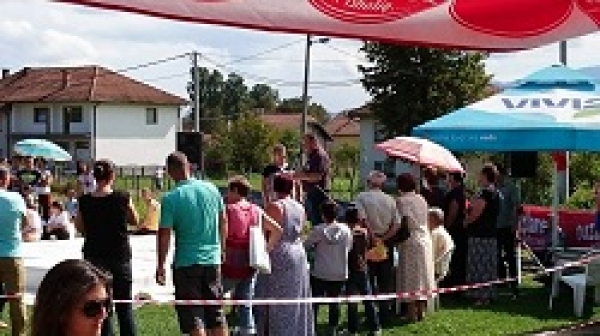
12, 270
379, 212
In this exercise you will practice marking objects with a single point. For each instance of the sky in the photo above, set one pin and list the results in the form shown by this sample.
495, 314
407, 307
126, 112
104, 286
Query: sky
42, 33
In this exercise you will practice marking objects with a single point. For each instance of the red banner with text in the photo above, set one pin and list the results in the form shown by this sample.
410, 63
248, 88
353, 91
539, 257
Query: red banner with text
577, 227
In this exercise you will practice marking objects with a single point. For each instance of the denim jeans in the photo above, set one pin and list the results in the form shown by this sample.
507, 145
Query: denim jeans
243, 289
122, 280
358, 284
324, 288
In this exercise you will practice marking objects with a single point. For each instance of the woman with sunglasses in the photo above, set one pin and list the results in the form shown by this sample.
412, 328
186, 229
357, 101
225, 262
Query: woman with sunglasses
102, 218
73, 300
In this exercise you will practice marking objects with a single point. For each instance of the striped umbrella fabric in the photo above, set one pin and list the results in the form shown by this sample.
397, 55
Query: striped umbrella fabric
420, 151
495, 25
41, 148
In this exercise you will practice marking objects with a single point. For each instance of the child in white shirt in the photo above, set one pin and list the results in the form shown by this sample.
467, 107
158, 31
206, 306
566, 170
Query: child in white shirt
59, 225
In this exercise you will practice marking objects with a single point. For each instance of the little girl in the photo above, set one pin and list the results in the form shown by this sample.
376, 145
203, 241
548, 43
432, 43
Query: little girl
59, 224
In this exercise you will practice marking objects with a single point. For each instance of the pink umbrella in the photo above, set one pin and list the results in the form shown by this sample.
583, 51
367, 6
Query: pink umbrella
472, 24
420, 151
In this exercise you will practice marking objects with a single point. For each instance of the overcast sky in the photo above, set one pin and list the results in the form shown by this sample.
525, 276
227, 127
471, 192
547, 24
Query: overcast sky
41, 33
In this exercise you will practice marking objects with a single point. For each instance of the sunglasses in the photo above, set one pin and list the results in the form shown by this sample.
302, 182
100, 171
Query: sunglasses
93, 308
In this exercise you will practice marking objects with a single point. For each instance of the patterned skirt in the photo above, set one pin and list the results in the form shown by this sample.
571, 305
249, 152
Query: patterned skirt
482, 266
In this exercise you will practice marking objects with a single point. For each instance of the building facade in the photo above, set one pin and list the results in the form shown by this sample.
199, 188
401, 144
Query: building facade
91, 112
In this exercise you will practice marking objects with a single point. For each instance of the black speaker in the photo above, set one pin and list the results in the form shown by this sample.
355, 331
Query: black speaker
523, 164
190, 144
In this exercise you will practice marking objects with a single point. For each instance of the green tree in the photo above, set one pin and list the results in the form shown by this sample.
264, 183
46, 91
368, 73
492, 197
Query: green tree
346, 160
211, 96
296, 105
412, 85
235, 95
263, 96
244, 143
292, 141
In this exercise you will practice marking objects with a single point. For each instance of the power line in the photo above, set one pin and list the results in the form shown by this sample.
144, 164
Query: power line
345, 52
264, 52
284, 60
156, 79
257, 78
153, 63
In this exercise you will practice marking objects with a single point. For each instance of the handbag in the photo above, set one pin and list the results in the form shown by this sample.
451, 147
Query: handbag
259, 256
402, 234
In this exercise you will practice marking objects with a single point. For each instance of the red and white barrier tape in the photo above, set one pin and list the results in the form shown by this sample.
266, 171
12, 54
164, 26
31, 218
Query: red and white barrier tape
343, 299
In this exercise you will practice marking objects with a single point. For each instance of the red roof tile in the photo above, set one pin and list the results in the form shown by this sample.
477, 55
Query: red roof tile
343, 125
292, 121
80, 84
285, 120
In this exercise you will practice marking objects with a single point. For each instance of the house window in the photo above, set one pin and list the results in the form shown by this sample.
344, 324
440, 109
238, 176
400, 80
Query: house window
151, 116
388, 167
379, 132
74, 114
41, 114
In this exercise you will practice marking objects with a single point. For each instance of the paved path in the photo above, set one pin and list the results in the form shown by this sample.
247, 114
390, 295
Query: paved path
39, 257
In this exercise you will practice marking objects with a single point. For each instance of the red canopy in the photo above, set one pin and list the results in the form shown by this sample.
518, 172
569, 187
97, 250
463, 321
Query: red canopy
470, 24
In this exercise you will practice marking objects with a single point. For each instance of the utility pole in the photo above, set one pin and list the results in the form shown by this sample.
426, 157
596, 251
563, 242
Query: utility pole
197, 112
303, 127
562, 52
562, 55
196, 80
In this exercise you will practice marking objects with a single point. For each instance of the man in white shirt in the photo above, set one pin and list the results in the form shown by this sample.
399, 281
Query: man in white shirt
379, 212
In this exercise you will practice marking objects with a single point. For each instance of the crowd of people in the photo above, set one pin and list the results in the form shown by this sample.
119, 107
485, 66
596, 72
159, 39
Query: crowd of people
429, 235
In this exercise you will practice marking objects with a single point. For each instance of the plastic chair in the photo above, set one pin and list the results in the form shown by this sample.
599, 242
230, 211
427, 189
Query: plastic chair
579, 282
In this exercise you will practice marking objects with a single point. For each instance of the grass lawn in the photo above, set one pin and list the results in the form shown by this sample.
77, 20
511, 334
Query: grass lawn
456, 317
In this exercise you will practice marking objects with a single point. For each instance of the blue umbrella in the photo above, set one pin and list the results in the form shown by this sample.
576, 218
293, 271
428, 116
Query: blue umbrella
42, 148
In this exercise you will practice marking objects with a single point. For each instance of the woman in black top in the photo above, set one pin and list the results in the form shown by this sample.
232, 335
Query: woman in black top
102, 218
454, 220
482, 257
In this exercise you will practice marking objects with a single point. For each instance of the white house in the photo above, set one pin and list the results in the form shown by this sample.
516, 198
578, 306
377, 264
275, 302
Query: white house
371, 158
90, 111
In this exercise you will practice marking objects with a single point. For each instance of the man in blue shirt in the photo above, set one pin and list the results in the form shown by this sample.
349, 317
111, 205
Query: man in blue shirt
194, 211
12, 270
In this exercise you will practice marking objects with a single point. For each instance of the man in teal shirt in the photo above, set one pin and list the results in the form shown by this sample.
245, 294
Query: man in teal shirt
195, 213
12, 270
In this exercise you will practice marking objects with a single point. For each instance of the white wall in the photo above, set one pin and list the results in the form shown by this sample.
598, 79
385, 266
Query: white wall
23, 119
369, 155
123, 136
4, 152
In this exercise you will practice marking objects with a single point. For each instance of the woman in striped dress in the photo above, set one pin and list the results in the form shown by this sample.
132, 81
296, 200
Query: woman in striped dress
289, 277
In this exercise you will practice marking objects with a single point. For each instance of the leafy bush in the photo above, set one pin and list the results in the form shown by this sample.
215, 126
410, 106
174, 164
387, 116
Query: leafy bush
582, 198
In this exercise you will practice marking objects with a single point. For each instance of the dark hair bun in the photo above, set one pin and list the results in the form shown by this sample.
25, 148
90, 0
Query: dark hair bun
103, 170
